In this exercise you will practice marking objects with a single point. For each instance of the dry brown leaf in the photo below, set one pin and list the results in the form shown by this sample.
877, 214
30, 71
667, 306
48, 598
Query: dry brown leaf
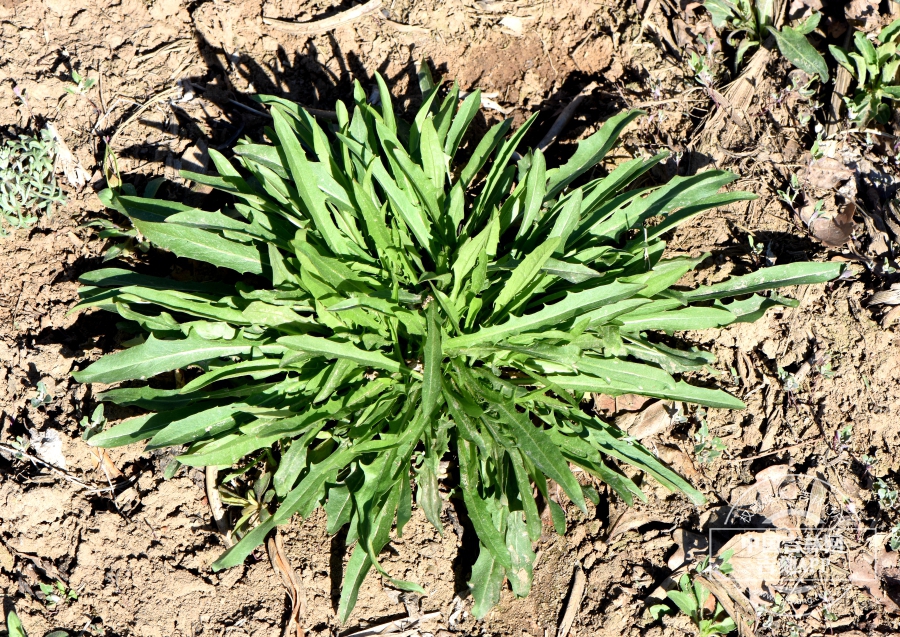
654, 419
890, 317
513, 24
833, 231
827, 173
630, 520
755, 561
887, 297
75, 173
604, 404
732, 599
863, 575
282, 565
865, 15
679, 461
102, 460
802, 8
690, 547
7, 561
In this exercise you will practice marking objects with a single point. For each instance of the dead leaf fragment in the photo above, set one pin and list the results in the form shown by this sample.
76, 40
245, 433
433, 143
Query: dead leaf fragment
863, 575
887, 297
656, 418
827, 173
282, 565
889, 318
75, 173
7, 561
833, 231
629, 521
514, 24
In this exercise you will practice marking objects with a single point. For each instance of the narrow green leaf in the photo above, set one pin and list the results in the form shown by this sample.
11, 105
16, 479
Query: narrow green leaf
482, 151
338, 508
803, 273
525, 273
864, 46
155, 356
319, 346
387, 107
691, 318
312, 198
202, 245
481, 518
535, 444
433, 357
588, 153
464, 116
575, 304
487, 577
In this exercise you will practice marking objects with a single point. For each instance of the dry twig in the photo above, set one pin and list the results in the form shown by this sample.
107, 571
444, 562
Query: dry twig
215, 505
564, 117
59, 471
574, 603
282, 565
326, 24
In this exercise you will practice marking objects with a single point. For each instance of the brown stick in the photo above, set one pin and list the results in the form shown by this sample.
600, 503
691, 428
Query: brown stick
564, 117
574, 602
326, 24
773, 452
282, 565
215, 505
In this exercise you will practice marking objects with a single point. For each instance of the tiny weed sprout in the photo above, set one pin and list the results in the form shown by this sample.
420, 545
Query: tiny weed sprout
875, 71
691, 598
396, 305
57, 594
43, 398
82, 84
748, 22
28, 184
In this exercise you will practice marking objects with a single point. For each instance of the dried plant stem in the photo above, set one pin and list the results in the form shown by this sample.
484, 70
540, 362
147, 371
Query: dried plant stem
215, 505
564, 117
326, 24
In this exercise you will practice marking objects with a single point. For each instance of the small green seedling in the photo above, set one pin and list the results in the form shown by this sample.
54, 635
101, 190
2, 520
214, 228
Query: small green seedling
43, 397
703, 66
691, 599
875, 71
894, 537
28, 184
14, 628
94, 424
14, 625
887, 497
750, 21
58, 594
82, 84
708, 447
254, 503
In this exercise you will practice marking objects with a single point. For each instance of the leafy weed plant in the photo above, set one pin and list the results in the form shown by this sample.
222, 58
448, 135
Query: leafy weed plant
28, 185
399, 306
875, 70
691, 598
748, 22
